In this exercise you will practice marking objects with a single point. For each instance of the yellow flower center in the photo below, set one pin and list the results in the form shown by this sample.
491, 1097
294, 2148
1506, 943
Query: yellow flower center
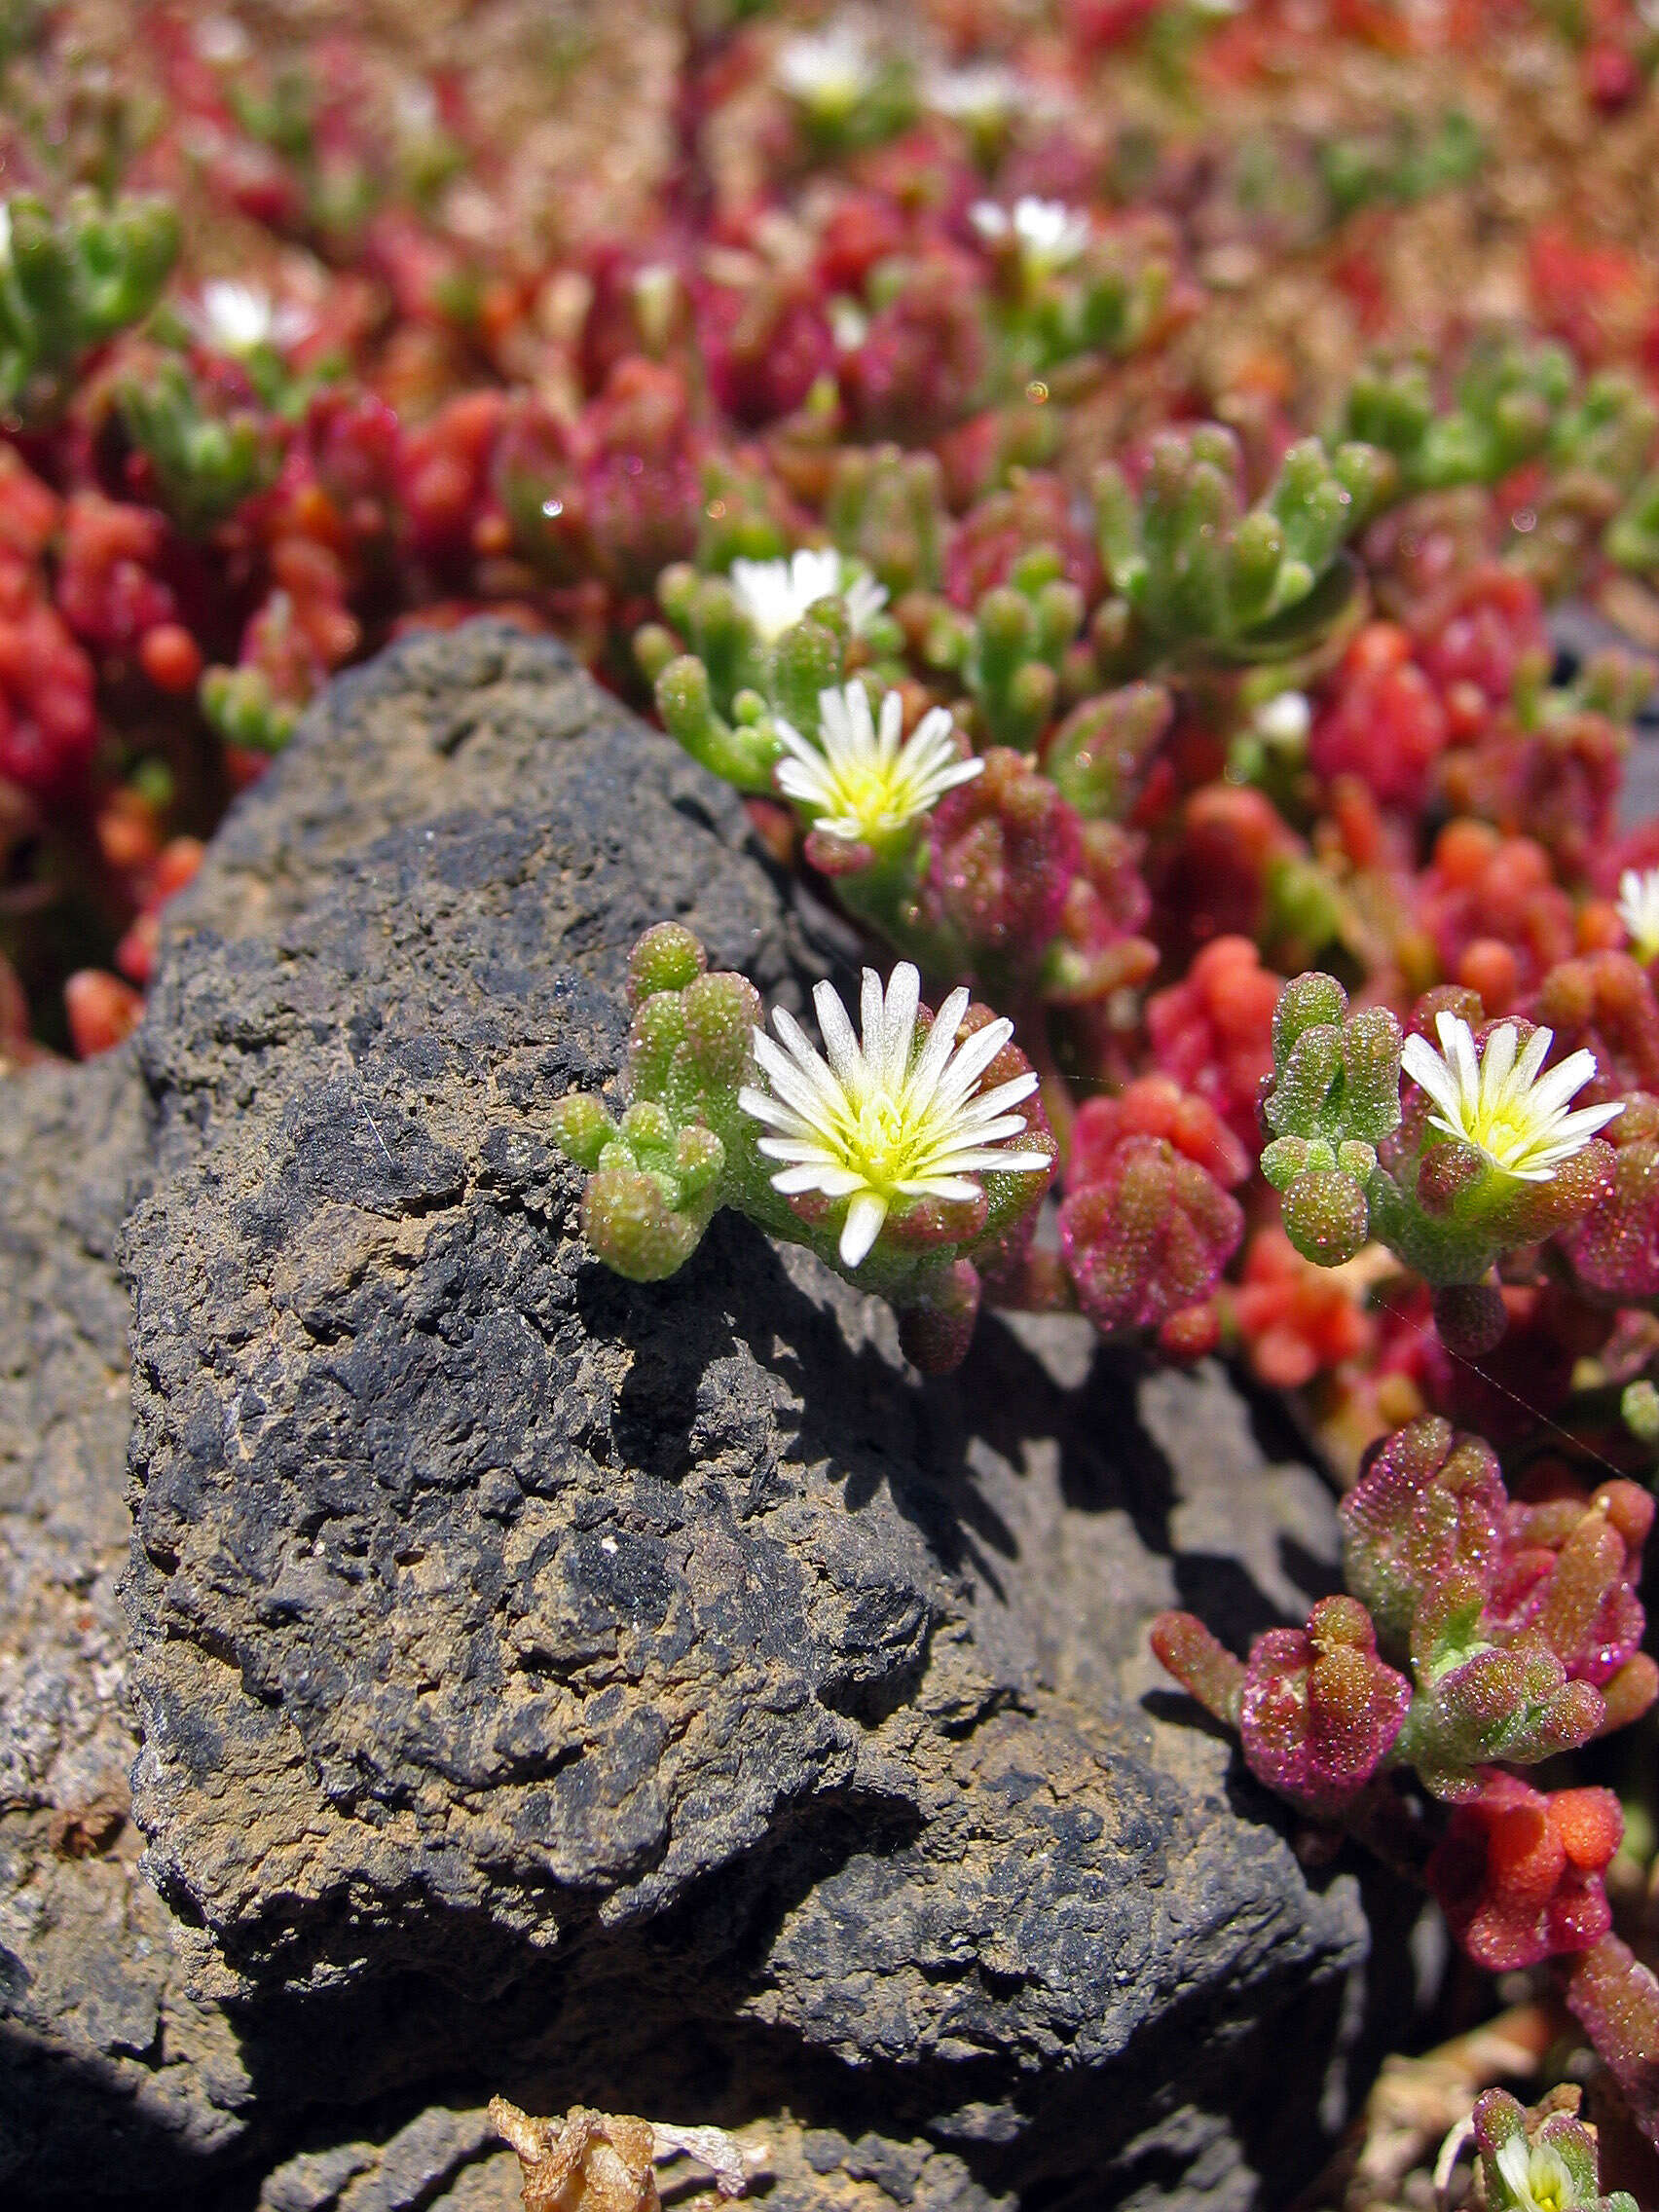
883, 1145
875, 797
1537, 2175
1506, 1133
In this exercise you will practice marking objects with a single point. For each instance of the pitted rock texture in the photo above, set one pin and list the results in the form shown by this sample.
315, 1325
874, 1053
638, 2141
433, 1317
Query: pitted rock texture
658, 1680
441, 2161
649, 1697
446, 2160
107, 2065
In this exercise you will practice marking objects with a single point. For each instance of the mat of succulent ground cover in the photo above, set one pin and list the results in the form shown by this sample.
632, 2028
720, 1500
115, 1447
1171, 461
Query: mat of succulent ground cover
1207, 423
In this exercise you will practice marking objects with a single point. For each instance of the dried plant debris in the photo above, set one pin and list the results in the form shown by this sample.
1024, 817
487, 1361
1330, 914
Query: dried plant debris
597, 2162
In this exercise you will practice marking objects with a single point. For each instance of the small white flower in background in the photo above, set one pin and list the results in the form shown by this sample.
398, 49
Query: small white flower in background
776, 593
221, 41
1048, 235
1285, 720
1638, 911
1499, 1100
877, 1120
5, 232
1536, 2176
981, 92
984, 95
849, 325
416, 107
829, 71
656, 295
239, 318
858, 780
865, 600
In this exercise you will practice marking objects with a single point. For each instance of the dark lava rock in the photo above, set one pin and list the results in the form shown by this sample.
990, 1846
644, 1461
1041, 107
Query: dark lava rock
651, 1696
108, 2067
445, 2160
440, 2161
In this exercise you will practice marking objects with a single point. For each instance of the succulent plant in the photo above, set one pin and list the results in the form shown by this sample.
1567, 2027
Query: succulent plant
70, 281
897, 1165
1205, 576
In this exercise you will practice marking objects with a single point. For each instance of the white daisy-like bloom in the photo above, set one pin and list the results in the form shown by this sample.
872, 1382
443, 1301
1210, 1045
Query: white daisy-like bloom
776, 593
5, 233
1536, 2176
1049, 234
832, 70
1638, 911
239, 318
1501, 1101
861, 783
878, 1120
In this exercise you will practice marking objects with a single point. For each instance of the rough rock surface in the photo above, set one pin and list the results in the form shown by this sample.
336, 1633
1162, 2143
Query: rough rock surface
652, 1697
107, 2063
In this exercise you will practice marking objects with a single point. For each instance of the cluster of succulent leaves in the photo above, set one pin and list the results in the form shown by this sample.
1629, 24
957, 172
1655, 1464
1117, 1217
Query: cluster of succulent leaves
722, 699
1516, 400
69, 279
1544, 2155
1477, 1635
240, 704
1003, 883
684, 1146
206, 461
1349, 1167
1202, 577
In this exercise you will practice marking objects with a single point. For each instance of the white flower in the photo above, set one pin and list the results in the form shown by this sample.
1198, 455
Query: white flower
1536, 2176
849, 325
416, 107
239, 318
1049, 234
1638, 911
859, 782
865, 600
1500, 1103
1285, 720
776, 593
879, 1120
5, 233
984, 92
829, 71
221, 41
656, 295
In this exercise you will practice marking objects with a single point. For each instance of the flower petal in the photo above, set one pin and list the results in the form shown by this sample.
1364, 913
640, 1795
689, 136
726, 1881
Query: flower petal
839, 1042
832, 1182
899, 1025
866, 1214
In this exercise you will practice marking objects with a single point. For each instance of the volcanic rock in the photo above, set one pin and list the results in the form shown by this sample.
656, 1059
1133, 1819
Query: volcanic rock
656, 1697
108, 2066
